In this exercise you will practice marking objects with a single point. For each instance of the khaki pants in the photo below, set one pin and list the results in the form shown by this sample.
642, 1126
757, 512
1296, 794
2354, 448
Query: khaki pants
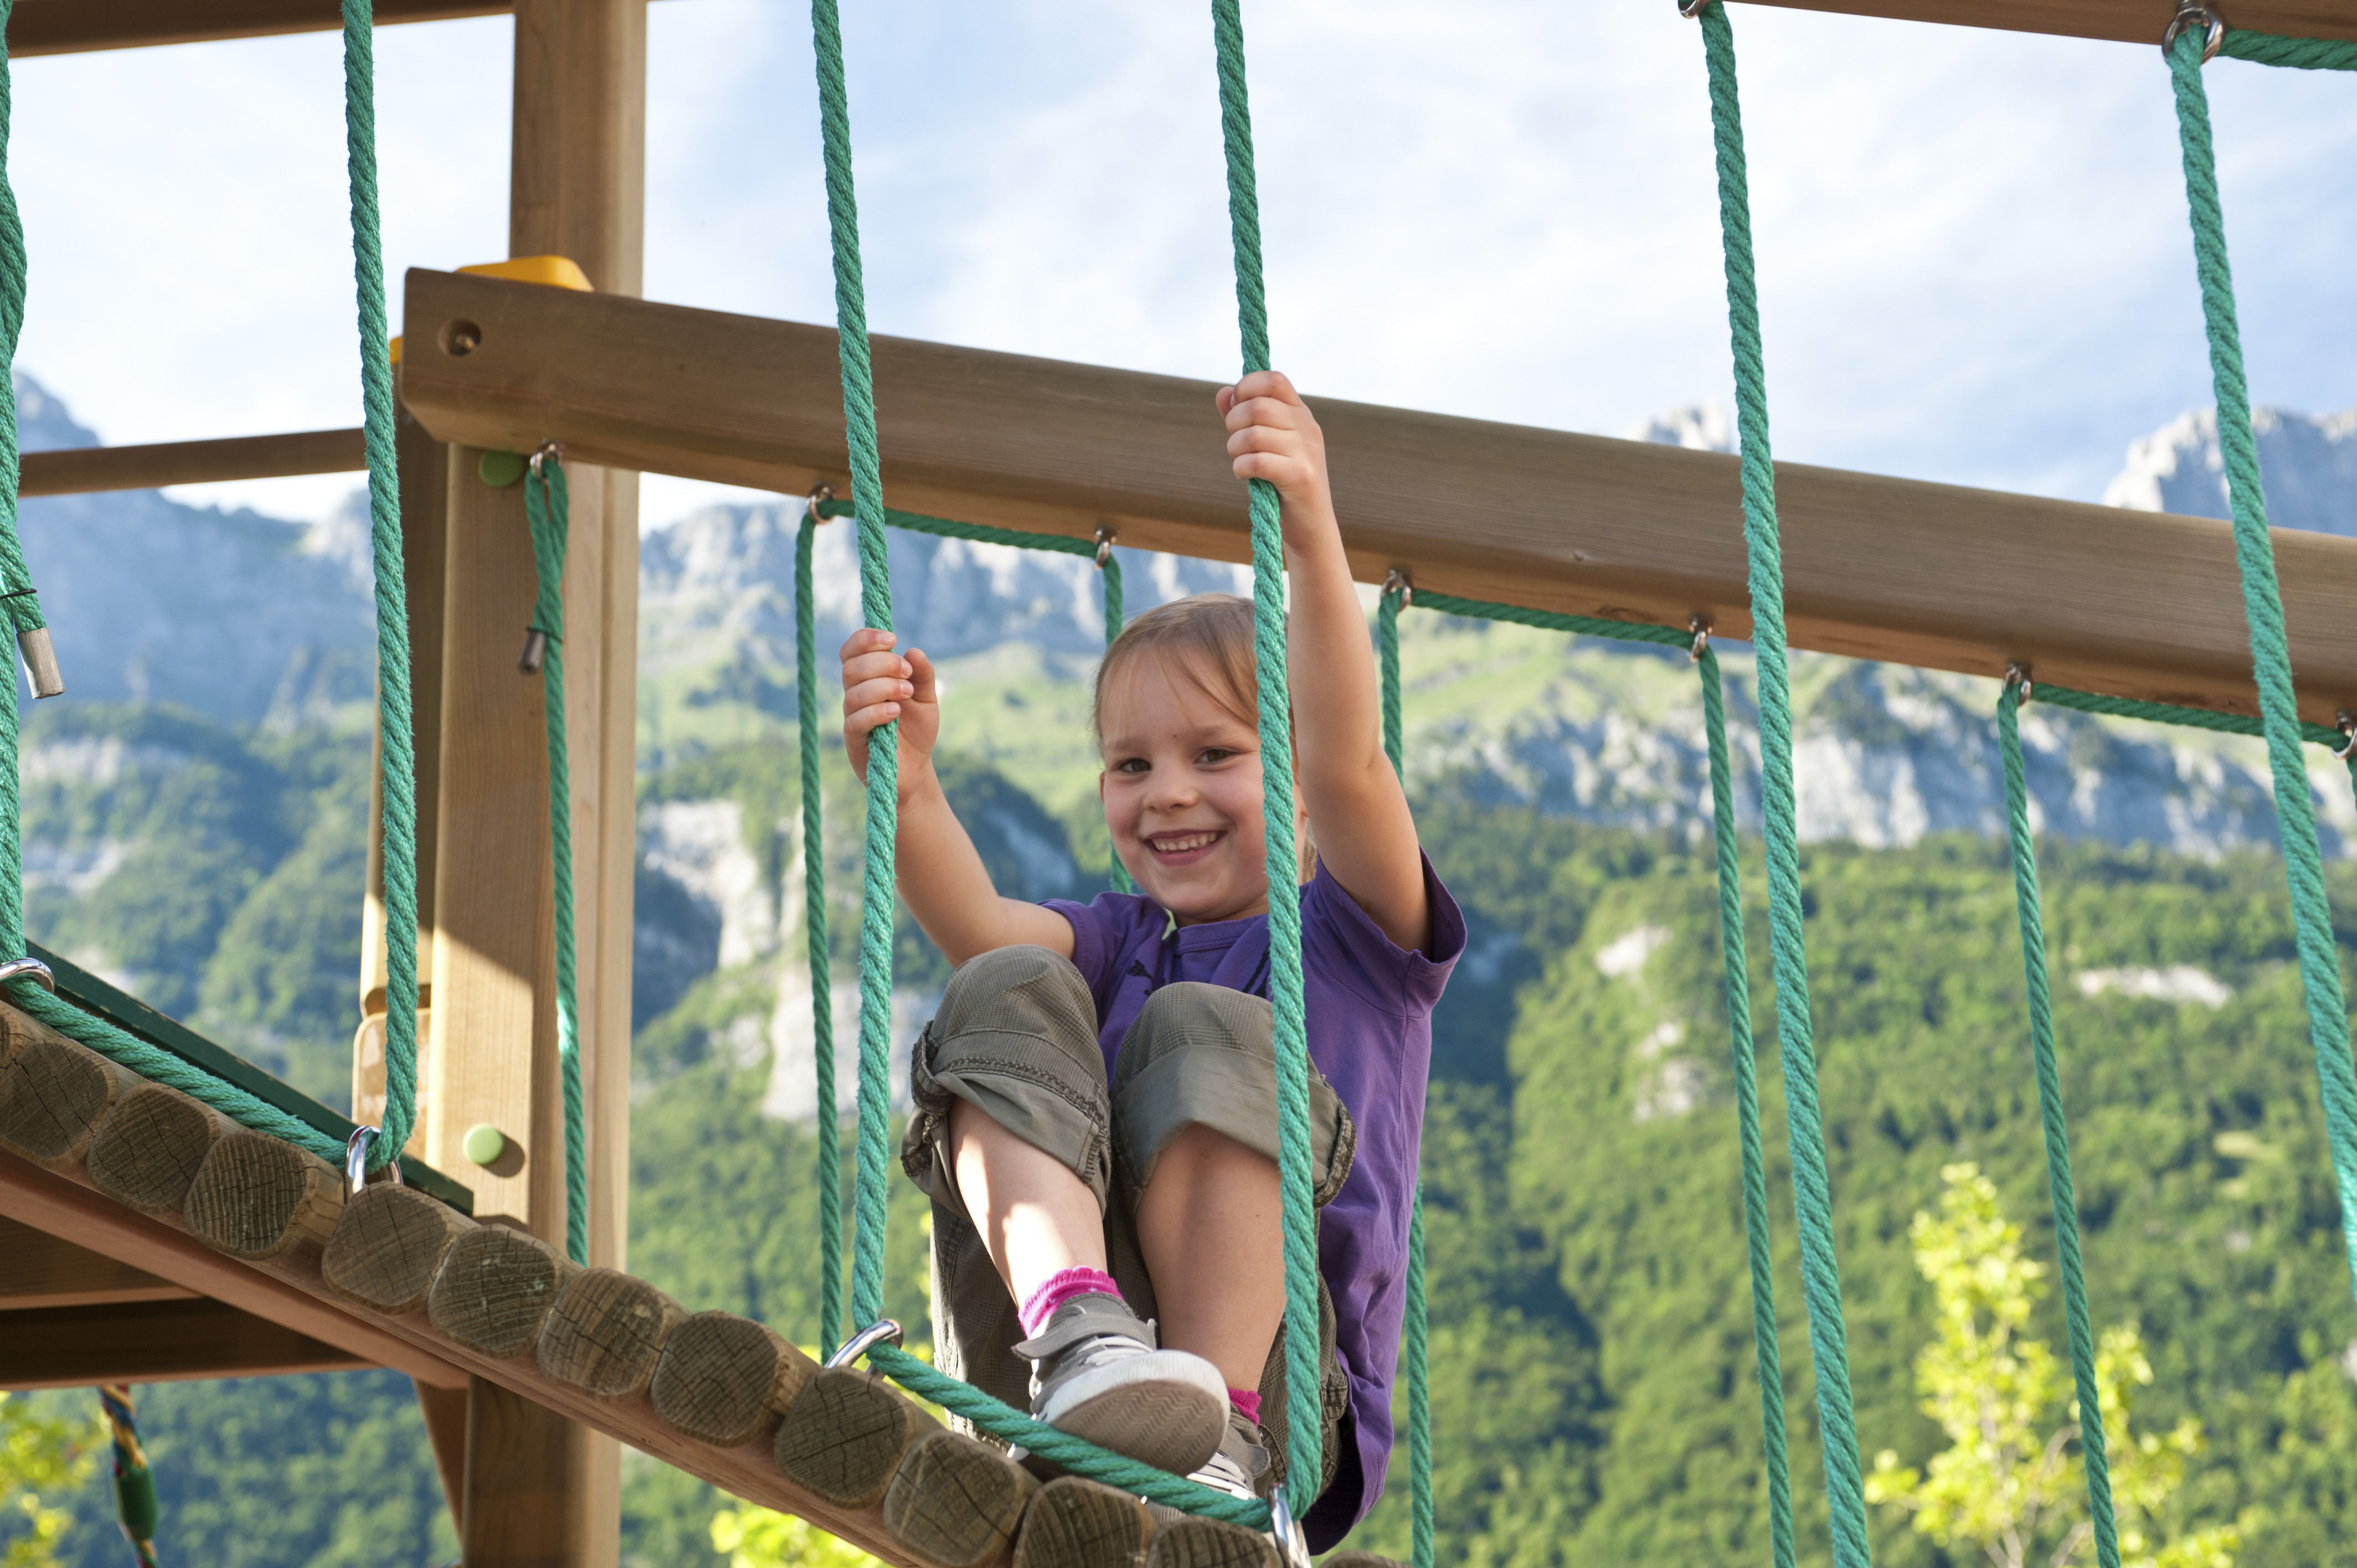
1017, 1039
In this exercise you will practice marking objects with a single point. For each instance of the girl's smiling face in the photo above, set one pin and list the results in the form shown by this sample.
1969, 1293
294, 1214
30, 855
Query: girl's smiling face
1181, 787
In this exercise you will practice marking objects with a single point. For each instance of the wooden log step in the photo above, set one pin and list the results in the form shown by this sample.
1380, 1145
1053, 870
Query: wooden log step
605, 1332
1183, 1541
149, 1147
727, 1379
494, 1290
844, 1433
1079, 1524
52, 1095
255, 1197
388, 1245
1359, 1560
955, 1502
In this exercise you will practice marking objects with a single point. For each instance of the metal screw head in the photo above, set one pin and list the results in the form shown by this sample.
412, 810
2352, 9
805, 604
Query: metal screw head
460, 338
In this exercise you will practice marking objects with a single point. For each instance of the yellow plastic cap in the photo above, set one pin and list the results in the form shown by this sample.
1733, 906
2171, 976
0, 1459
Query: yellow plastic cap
554, 272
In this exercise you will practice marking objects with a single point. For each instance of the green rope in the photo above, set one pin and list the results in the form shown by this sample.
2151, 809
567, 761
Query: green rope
400, 758
1747, 1107
2319, 963
2301, 54
547, 508
1303, 1469
876, 892
23, 604
822, 967
1811, 1189
1109, 566
135, 1484
2059, 1187
1416, 1329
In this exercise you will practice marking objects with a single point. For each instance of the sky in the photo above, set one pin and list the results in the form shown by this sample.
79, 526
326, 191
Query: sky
1973, 259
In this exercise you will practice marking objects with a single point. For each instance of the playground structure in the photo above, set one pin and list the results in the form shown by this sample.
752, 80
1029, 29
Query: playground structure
144, 1238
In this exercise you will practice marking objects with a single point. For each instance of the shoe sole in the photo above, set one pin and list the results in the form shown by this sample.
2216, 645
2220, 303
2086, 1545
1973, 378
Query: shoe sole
1167, 1409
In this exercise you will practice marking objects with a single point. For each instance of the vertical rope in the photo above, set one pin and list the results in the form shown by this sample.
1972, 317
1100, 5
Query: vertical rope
822, 966
2059, 1187
548, 509
23, 604
1109, 566
135, 1484
1747, 1109
2319, 963
1303, 1436
394, 721
1811, 1189
1416, 1330
876, 892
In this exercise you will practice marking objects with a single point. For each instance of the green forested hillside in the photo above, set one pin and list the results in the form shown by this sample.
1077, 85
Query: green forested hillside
1591, 1352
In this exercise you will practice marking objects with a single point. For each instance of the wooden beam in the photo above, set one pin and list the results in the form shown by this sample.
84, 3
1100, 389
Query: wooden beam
74, 26
2129, 602
39, 1269
66, 1205
2125, 21
151, 1342
75, 471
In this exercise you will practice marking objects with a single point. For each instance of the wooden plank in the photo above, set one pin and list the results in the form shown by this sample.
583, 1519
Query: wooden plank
2126, 21
39, 1269
63, 1205
445, 1411
153, 1341
2135, 604
73, 26
76, 471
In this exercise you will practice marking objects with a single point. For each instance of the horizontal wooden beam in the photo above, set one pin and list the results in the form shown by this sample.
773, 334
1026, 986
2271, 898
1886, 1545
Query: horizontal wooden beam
67, 1205
73, 470
75, 27
2132, 603
2125, 21
39, 1269
153, 1341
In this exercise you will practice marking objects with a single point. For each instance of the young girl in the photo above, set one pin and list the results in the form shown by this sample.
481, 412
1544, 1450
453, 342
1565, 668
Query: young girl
1096, 1102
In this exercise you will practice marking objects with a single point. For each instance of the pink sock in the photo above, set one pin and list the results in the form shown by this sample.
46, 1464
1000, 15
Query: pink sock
1061, 1287
1247, 1403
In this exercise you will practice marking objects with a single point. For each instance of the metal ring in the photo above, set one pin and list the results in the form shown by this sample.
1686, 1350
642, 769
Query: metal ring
1105, 535
1291, 1544
2196, 16
30, 969
2018, 675
1701, 624
1396, 581
1690, 7
546, 450
883, 1331
356, 1148
823, 493
2345, 721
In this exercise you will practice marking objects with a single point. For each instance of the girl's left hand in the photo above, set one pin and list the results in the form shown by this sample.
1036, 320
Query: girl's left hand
1273, 435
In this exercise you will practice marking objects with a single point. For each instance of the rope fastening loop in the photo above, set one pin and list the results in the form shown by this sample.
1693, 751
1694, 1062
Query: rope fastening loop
30, 969
2343, 721
1700, 626
2213, 25
2018, 675
883, 1331
1396, 580
1292, 1545
545, 450
1690, 9
1107, 534
356, 1153
819, 494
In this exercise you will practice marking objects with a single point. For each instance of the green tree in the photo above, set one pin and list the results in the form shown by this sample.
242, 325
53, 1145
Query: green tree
2010, 1482
41, 1456
760, 1538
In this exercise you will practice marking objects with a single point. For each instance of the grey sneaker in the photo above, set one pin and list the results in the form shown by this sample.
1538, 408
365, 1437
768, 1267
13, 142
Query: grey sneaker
1241, 1467
1095, 1373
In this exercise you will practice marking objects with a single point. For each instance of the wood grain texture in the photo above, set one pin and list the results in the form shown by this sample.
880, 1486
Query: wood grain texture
39, 1269
388, 1246
53, 1094
76, 471
286, 1290
2124, 21
154, 1341
524, 1464
727, 1379
605, 1332
256, 1197
2135, 604
71, 27
148, 1148
957, 1503
1180, 1541
844, 1435
1360, 1560
445, 1414
1077, 1523
494, 1290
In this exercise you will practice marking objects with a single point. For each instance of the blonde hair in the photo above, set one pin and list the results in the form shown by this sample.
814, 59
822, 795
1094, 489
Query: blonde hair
1209, 638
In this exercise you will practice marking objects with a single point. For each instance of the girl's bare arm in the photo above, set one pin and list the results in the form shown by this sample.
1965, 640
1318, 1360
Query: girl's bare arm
1357, 811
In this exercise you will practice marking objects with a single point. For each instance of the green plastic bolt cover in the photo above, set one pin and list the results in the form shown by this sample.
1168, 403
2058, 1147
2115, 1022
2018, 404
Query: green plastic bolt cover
484, 1144
500, 470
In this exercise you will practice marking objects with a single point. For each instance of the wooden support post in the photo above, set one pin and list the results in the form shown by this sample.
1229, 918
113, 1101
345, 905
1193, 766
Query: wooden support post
445, 1411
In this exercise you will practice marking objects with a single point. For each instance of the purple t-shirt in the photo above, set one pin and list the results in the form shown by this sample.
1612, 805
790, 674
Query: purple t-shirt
1370, 1010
